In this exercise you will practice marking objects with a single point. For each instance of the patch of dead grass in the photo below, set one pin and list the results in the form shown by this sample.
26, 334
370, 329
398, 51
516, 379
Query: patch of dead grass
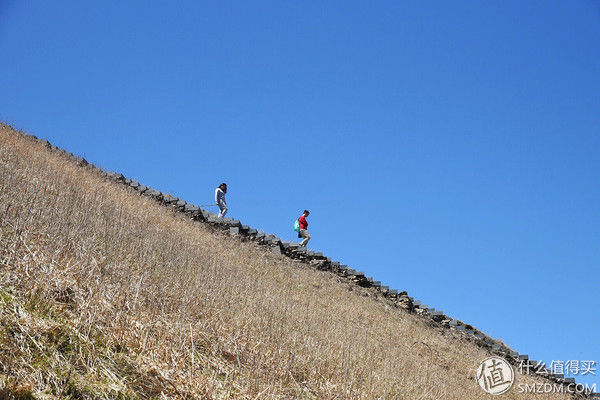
196, 313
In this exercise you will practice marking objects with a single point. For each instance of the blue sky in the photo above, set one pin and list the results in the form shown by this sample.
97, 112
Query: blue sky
450, 149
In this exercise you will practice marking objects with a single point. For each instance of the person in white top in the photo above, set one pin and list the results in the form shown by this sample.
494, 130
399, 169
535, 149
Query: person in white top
220, 199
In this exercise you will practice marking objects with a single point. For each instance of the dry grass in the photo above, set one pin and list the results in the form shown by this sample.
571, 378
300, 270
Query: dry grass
105, 294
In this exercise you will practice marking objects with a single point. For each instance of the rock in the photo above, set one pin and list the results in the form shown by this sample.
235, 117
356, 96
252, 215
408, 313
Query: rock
191, 208
153, 193
169, 199
404, 302
208, 216
115, 176
272, 239
319, 264
445, 323
438, 316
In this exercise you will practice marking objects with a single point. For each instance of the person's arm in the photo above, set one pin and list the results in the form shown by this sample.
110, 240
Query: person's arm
217, 196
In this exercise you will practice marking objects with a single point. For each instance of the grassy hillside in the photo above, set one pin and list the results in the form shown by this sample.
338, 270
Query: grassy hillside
106, 294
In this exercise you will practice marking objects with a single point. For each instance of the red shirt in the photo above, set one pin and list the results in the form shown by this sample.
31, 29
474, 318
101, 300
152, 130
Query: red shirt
303, 223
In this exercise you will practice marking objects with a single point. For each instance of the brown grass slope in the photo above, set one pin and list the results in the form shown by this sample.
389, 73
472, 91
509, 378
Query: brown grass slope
106, 294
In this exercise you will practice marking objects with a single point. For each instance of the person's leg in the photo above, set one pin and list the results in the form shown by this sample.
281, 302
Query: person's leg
301, 235
304, 233
222, 210
306, 238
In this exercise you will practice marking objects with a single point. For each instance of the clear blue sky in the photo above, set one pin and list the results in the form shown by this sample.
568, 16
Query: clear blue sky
450, 149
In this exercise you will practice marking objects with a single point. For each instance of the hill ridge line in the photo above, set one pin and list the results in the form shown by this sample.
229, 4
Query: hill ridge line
317, 260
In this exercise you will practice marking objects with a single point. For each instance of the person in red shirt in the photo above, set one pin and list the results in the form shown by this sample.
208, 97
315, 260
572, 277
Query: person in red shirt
303, 228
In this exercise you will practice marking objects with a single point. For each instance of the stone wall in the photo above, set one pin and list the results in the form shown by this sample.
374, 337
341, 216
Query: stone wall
394, 297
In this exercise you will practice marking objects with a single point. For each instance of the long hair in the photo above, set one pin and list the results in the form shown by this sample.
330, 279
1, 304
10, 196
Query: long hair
223, 187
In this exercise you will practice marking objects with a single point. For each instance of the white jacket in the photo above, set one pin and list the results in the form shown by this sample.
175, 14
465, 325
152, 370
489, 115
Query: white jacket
220, 196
